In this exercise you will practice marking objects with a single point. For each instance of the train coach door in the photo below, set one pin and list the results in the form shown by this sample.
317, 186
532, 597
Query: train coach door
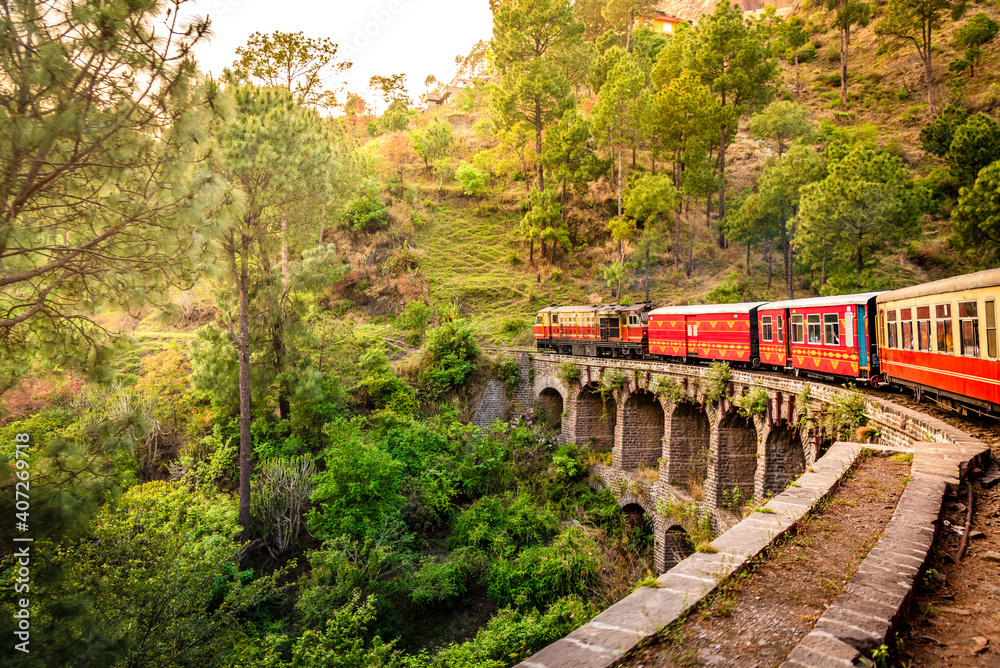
862, 338
605, 328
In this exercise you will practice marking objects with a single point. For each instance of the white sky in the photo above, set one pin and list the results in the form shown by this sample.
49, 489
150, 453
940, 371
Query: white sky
416, 37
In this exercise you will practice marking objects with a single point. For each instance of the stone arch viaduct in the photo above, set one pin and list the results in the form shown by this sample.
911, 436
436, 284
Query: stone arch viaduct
670, 444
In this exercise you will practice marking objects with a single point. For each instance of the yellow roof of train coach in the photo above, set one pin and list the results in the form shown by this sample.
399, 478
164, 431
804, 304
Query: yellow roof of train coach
981, 279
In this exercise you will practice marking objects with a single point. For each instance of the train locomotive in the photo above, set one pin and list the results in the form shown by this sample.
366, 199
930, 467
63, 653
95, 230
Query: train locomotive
938, 339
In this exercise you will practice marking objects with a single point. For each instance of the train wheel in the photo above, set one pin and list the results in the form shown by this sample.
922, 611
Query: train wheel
755, 362
875, 381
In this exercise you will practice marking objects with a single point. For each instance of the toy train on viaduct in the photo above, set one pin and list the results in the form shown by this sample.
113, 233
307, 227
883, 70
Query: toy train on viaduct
938, 339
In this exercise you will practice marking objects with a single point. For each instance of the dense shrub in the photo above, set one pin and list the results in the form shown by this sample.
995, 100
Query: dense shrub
500, 526
538, 576
359, 487
367, 210
511, 636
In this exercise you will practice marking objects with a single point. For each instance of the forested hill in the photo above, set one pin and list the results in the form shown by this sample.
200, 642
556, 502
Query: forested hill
244, 320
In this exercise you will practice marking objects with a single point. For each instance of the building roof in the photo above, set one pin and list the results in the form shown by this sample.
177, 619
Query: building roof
981, 279
833, 300
697, 309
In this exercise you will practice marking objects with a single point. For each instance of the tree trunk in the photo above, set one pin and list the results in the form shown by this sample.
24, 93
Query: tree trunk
628, 37
531, 251
722, 187
654, 164
844, 43
822, 275
241, 275
633, 157
619, 182
562, 199
647, 272
770, 264
538, 146
798, 79
285, 273
860, 254
787, 248
541, 248
748, 258
677, 243
929, 74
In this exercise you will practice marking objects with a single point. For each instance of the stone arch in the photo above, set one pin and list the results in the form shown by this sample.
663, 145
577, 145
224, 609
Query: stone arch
686, 444
641, 428
734, 459
784, 460
677, 546
595, 419
551, 402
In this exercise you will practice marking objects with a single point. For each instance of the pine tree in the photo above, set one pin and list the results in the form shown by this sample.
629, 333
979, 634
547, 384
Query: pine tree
100, 205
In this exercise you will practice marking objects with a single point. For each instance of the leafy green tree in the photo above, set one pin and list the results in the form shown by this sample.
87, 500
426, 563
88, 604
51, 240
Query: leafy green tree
358, 489
622, 16
976, 216
545, 214
449, 357
652, 200
621, 105
344, 641
100, 122
864, 207
613, 274
155, 583
532, 87
302, 65
978, 30
915, 21
794, 33
778, 195
937, 135
730, 55
569, 153
700, 180
471, 179
392, 88
849, 13
282, 160
433, 141
975, 145
782, 122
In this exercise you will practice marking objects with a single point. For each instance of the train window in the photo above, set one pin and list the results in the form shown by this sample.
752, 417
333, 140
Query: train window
924, 328
765, 327
892, 334
906, 340
849, 329
831, 329
780, 328
968, 323
645, 317
814, 328
798, 335
942, 326
538, 319
555, 318
991, 329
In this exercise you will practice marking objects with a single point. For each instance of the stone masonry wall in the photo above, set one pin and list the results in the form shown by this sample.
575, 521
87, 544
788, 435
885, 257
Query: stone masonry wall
686, 443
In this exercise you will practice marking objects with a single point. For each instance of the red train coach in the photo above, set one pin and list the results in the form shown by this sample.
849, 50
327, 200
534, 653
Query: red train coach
940, 339
824, 336
706, 331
